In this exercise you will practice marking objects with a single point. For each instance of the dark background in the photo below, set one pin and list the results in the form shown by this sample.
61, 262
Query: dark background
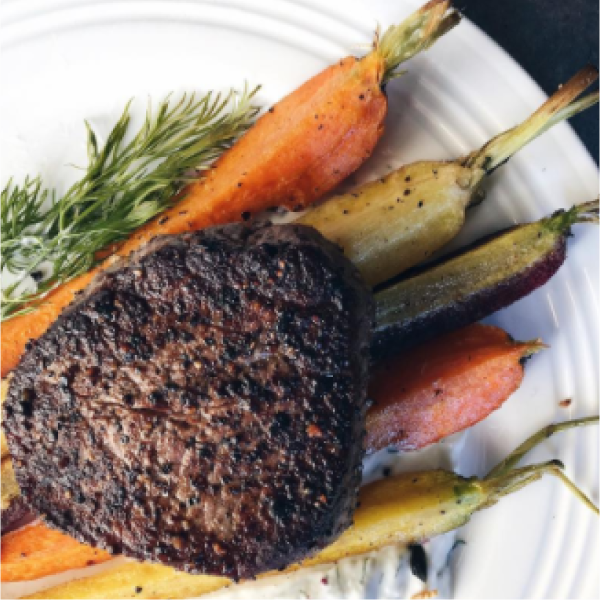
550, 39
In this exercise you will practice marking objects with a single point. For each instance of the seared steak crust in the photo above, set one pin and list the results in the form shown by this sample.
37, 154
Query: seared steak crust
202, 404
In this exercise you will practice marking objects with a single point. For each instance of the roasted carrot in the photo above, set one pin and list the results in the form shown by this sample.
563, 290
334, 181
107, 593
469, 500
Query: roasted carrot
36, 551
296, 152
391, 224
475, 282
443, 386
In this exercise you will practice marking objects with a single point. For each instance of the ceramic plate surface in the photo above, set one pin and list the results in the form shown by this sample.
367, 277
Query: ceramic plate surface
66, 60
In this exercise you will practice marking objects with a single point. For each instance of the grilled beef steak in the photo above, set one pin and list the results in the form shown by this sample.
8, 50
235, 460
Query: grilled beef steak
201, 405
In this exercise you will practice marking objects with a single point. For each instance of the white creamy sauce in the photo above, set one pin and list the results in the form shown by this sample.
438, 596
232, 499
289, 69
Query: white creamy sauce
16, 276
21, 278
382, 574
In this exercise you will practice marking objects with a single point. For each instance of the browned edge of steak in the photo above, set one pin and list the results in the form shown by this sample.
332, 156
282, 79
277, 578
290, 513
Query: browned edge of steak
203, 404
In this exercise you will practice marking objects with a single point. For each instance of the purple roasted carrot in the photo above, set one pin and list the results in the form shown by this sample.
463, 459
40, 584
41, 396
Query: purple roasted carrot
462, 289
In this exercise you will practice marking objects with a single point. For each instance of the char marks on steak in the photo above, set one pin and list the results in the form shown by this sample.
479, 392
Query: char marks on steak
202, 404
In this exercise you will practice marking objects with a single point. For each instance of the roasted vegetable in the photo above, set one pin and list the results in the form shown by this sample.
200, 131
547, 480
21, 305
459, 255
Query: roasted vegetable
13, 507
408, 508
36, 551
394, 223
296, 152
443, 386
9, 486
477, 282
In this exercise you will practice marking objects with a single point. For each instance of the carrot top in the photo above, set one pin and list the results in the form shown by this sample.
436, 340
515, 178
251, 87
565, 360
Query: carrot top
415, 34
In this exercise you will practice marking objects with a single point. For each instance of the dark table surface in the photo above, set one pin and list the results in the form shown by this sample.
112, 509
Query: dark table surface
550, 39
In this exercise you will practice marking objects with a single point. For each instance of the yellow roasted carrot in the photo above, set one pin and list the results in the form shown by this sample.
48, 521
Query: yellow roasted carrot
396, 222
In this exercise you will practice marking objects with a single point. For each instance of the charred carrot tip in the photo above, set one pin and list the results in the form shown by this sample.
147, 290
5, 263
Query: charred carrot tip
575, 86
562, 105
437, 6
570, 90
587, 212
583, 78
429, 5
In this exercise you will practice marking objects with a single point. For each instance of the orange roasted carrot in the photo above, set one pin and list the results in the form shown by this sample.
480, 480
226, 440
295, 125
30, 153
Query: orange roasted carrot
443, 386
36, 551
296, 152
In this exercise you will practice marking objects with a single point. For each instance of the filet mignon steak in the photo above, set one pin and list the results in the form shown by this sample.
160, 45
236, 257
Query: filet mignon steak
202, 404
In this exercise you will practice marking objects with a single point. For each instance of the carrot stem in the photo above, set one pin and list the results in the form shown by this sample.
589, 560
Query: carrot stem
417, 33
517, 454
560, 106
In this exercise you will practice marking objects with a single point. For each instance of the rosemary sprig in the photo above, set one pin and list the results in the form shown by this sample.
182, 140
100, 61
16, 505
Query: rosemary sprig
47, 240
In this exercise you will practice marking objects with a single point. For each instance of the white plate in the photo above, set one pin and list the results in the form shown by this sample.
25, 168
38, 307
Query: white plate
66, 60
